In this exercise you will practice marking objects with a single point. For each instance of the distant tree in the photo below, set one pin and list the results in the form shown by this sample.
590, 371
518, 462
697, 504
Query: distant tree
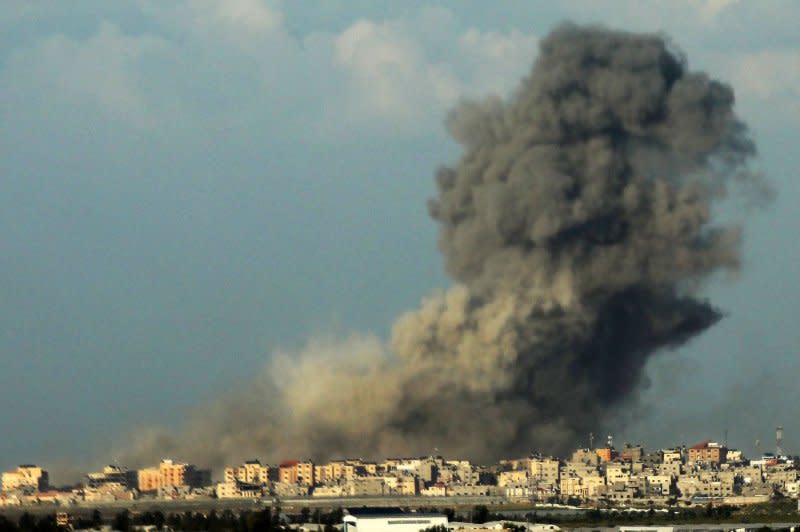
122, 521
7, 526
305, 514
47, 524
436, 528
334, 517
672, 501
174, 521
159, 519
261, 521
96, 519
26, 522
480, 514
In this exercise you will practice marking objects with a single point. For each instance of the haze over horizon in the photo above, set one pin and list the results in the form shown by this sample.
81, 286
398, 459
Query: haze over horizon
171, 222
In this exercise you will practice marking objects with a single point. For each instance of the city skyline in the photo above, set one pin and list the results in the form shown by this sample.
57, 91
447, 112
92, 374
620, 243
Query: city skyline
168, 229
624, 476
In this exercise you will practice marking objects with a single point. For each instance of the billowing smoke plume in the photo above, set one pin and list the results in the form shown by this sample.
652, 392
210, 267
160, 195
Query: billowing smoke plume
577, 228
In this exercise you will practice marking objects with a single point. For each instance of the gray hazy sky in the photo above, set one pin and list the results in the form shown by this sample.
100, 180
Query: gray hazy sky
187, 186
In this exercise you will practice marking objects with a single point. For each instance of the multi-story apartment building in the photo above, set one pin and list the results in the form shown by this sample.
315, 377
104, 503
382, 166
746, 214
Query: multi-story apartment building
407, 485
112, 478
605, 454
585, 456
633, 453
238, 489
149, 479
672, 456
512, 478
170, 474
672, 469
544, 469
659, 484
708, 452
778, 477
26, 477
296, 472
617, 472
583, 487
251, 472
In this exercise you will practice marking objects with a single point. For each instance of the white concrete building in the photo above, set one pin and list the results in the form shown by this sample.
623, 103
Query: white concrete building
389, 520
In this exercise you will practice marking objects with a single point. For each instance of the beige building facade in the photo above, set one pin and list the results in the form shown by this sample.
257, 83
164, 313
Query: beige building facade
26, 477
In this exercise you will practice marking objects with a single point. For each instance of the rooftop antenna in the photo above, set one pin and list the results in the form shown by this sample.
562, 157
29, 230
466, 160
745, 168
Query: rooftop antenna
758, 447
779, 440
610, 441
725, 443
591, 440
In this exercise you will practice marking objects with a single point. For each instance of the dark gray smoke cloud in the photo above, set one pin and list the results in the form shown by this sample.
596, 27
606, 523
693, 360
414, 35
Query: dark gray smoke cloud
577, 228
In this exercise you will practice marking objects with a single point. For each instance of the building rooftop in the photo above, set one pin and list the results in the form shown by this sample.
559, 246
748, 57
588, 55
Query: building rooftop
388, 511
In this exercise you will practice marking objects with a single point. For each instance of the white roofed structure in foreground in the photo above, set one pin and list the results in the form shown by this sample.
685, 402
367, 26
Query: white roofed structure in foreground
502, 525
389, 520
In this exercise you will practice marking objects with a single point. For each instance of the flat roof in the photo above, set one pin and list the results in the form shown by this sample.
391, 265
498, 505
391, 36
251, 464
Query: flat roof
388, 511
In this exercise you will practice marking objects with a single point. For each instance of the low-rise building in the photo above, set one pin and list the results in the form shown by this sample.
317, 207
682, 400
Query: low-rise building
659, 484
512, 478
671, 456
468, 490
27, 477
366, 487
404, 485
395, 519
236, 489
434, 490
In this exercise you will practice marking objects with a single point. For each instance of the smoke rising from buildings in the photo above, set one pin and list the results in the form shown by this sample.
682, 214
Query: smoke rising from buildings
577, 229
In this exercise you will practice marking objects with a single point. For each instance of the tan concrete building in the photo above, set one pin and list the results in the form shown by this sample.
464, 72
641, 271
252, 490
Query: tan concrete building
544, 470
671, 456
707, 452
583, 487
323, 474
633, 453
367, 487
149, 479
585, 456
235, 489
250, 472
605, 454
345, 469
659, 484
296, 472
170, 474
407, 485
617, 473
672, 469
434, 490
26, 477
512, 478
